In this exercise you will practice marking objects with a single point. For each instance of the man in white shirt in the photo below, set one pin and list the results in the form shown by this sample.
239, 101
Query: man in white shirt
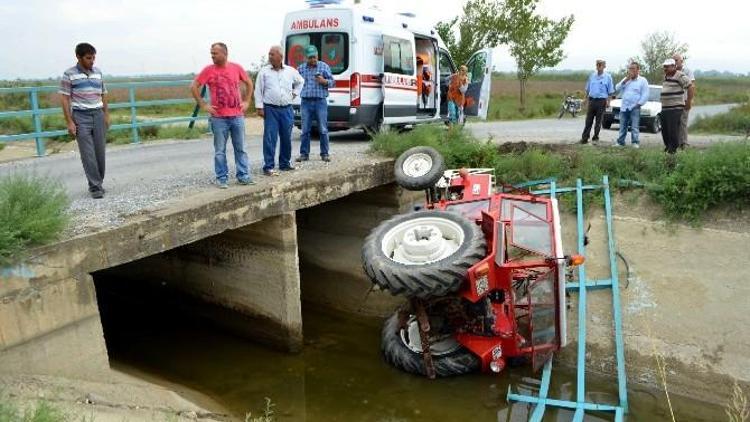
690, 93
275, 88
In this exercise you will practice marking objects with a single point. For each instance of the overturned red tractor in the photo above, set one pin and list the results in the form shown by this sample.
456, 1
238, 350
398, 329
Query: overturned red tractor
483, 270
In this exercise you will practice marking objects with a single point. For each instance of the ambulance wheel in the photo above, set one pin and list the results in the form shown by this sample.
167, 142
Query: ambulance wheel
402, 348
422, 254
419, 168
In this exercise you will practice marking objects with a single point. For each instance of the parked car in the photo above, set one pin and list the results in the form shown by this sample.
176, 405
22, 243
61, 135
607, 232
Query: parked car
650, 112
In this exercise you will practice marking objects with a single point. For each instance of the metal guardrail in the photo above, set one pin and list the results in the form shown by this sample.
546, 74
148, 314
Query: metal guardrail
35, 113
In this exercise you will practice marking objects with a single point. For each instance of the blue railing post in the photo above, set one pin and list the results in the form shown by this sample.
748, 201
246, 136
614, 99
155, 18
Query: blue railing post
197, 108
133, 119
34, 97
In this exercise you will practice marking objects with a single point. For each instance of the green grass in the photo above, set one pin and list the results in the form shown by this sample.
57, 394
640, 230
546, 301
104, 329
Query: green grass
33, 211
505, 107
685, 185
734, 122
42, 412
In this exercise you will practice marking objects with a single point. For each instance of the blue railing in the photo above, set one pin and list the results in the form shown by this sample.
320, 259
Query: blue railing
36, 113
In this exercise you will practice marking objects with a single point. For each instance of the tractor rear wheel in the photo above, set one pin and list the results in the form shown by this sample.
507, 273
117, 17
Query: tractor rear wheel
402, 348
422, 254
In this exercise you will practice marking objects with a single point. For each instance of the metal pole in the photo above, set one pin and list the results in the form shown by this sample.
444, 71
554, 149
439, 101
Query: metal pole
581, 364
40, 147
196, 109
619, 345
133, 119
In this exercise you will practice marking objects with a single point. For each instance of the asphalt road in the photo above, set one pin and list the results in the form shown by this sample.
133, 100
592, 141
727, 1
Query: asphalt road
147, 176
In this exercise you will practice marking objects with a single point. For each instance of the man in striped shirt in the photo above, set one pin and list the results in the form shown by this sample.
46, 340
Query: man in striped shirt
673, 99
86, 114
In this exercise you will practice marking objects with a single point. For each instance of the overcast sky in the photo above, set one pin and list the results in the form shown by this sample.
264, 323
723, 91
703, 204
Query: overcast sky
173, 36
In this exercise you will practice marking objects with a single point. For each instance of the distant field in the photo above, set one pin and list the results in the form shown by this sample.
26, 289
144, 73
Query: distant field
545, 93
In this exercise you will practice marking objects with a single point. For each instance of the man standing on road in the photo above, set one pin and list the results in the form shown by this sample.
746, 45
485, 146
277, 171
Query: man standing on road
318, 78
599, 87
679, 63
86, 114
673, 89
227, 112
275, 88
634, 95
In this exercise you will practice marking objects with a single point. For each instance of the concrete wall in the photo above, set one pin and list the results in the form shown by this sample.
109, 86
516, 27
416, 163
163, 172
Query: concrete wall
247, 279
331, 237
686, 300
51, 327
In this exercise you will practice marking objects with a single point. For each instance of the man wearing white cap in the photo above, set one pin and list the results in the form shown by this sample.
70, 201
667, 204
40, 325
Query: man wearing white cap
673, 100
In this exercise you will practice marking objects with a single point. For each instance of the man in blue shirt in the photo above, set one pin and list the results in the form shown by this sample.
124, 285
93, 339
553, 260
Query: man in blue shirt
634, 95
599, 88
318, 78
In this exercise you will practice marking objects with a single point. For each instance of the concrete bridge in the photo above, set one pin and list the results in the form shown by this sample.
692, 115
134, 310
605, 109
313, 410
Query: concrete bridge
236, 250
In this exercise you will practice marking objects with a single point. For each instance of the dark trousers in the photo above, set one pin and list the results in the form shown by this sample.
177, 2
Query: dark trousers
91, 134
277, 126
595, 109
670, 128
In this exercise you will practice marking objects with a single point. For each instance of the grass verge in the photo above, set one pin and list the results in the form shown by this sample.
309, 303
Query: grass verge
42, 412
734, 122
685, 185
33, 211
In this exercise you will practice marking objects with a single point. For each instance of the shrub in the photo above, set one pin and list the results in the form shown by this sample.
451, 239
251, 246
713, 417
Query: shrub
686, 185
33, 211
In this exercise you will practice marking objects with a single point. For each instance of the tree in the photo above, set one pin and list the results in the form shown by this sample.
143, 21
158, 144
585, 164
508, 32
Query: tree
534, 41
657, 47
478, 28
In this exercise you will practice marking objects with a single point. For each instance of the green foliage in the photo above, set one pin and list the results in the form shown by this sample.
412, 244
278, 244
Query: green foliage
734, 122
534, 41
478, 28
42, 412
700, 181
686, 185
33, 211
656, 47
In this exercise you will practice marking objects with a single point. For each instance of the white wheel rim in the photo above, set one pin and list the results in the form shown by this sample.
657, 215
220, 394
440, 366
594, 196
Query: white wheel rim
417, 165
439, 345
421, 241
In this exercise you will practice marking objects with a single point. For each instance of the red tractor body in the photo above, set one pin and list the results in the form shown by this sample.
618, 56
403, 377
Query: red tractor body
497, 303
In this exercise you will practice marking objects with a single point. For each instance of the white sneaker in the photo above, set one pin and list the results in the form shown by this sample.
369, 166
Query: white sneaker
616, 145
636, 146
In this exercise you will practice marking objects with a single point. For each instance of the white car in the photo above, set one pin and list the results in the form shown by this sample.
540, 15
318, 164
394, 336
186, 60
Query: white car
650, 112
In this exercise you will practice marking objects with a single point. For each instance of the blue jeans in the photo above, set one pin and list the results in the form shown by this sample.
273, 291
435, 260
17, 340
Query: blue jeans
314, 108
630, 118
223, 127
277, 123
454, 112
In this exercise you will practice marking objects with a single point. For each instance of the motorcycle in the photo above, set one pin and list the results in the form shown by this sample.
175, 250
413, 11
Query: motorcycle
571, 105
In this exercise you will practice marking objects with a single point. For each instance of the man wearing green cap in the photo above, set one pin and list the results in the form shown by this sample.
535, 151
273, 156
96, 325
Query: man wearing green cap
318, 78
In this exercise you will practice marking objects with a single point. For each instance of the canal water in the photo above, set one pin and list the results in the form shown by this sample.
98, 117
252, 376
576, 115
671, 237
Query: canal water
338, 376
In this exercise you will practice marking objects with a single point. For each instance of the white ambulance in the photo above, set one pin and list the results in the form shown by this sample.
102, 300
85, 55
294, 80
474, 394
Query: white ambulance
390, 70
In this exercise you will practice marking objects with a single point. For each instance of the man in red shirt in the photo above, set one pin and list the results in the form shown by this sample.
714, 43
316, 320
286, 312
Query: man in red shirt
227, 110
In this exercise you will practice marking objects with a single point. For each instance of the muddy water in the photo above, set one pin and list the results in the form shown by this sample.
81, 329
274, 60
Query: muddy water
339, 375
